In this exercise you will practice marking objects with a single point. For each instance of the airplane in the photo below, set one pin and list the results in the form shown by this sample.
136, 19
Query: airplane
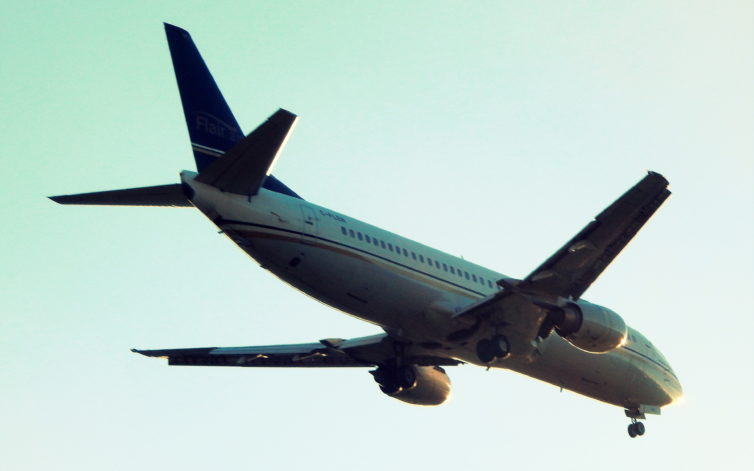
435, 310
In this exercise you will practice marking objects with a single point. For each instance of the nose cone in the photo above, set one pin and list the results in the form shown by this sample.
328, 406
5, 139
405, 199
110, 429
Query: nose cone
675, 391
655, 388
655, 383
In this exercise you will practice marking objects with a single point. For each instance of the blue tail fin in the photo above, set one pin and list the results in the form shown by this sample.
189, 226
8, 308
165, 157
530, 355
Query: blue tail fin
212, 127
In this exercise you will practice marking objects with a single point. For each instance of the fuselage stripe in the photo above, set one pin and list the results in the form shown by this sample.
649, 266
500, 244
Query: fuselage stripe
227, 221
646, 357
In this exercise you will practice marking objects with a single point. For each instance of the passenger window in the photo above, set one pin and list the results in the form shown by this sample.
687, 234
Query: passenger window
473, 277
405, 252
467, 275
360, 236
382, 243
421, 258
366, 237
413, 255
390, 247
444, 267
489, 283
452, 270
343, 230
437, 264
375, 242
353, 234
429, 260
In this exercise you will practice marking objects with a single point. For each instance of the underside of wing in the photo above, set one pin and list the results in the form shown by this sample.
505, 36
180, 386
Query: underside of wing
531, 307
359, 352
573, 268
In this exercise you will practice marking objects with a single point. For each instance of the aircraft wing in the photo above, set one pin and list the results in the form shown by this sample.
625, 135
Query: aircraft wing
358, 352
523, 305
573, 268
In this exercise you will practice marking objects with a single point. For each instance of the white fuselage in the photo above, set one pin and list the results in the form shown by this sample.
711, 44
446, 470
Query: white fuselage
411, 291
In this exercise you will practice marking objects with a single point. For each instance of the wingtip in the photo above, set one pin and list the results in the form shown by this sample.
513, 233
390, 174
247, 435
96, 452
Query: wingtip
658, 175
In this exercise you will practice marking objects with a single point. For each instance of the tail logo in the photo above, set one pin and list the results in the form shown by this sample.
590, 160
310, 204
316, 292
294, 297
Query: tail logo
214, 126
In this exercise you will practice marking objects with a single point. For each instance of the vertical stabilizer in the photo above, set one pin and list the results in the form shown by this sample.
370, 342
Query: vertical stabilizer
212, 127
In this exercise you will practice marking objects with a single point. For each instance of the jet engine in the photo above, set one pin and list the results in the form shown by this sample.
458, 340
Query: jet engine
419, 385
590, 327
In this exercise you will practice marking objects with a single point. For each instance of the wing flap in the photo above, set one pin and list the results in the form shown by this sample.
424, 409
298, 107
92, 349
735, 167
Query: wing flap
304, 355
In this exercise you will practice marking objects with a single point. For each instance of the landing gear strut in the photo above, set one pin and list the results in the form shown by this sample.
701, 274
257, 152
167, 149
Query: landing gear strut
636, 428
489, 349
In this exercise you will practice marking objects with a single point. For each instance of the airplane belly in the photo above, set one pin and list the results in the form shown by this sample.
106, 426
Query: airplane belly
605, 377
617, 377
345, 280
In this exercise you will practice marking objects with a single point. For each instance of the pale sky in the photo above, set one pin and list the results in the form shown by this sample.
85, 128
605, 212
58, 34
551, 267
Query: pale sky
492, 130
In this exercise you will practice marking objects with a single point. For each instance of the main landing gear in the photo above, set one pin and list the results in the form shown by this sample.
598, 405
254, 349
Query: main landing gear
636, 428
394, 379
490, 349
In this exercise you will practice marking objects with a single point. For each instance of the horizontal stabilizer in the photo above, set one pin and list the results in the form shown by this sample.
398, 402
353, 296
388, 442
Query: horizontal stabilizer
243, 169
162, 195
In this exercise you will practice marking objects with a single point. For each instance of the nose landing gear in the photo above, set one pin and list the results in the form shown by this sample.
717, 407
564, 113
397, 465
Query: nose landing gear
635, 428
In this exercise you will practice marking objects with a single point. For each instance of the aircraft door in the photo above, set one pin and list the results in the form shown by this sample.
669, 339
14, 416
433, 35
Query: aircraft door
310, 220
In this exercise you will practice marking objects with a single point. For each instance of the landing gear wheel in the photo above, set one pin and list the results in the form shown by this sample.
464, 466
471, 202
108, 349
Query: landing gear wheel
390, 389
393, 379
405, 377
487, 350
636, 428
501, 346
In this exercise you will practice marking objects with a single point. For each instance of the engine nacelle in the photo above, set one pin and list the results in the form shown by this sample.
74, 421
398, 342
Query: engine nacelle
419, 385
592, 328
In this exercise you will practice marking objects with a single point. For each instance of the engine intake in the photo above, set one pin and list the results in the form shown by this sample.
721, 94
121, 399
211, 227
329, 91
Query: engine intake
419, 385
590, 327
